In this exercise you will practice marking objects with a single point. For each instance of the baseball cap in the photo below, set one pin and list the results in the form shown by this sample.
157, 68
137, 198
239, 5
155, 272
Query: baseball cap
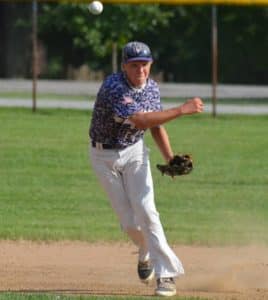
136, 51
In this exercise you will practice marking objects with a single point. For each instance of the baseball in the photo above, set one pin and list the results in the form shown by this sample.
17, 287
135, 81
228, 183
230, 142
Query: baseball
95, 7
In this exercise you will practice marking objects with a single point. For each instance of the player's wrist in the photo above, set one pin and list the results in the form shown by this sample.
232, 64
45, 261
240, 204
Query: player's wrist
169, 157
180, 111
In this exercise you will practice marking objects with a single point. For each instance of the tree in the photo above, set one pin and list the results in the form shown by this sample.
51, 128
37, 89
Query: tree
15, 40
243, 44
183, 48
73, 35
180, 37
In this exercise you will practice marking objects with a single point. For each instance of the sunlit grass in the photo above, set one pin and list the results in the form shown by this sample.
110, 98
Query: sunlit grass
49, 191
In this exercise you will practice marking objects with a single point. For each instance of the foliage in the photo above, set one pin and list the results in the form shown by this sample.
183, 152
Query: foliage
183, 51
180, 37
73, 33
243, 44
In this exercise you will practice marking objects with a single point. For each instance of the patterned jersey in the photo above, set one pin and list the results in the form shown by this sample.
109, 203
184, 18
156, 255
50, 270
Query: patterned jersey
116, 102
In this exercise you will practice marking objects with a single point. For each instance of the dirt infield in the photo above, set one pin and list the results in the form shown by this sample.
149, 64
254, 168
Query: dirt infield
110, 269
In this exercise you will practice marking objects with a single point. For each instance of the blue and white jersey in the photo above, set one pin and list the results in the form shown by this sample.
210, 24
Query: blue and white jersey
116, 102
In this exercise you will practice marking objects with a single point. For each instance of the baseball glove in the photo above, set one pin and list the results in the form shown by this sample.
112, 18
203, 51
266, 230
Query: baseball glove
178, 165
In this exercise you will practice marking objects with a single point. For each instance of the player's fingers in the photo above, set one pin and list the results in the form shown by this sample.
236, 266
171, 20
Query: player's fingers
198, 104
193, 105
201, 107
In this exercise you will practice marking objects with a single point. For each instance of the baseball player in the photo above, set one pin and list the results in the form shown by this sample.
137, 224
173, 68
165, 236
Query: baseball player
127, 104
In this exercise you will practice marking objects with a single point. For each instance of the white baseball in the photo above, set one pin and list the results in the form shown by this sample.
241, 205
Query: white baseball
95, 7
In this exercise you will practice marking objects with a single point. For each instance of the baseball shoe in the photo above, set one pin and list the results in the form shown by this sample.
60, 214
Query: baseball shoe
145, 271
165, 287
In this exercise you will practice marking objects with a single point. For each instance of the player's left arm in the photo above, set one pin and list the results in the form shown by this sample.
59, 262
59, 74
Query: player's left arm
161, 139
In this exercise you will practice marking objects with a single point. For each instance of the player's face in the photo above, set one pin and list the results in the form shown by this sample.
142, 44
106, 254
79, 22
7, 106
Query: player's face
137, 72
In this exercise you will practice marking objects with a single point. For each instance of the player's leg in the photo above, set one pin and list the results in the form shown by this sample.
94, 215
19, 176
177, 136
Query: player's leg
105, 164
140, 191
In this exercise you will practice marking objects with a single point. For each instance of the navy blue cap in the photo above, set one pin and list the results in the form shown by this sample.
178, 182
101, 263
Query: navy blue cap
136, 51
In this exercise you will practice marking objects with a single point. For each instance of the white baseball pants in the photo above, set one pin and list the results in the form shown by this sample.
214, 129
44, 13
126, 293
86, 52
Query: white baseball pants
126, 177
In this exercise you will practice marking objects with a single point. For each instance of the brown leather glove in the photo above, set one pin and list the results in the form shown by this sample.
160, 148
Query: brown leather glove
178, 165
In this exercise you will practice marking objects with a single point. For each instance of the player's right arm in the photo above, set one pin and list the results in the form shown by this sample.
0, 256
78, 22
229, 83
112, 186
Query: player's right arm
144, 120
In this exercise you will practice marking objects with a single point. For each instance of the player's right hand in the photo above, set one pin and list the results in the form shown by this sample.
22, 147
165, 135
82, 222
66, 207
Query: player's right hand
192, 106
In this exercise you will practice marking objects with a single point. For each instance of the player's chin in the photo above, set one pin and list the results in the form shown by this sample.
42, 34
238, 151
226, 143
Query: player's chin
140, 81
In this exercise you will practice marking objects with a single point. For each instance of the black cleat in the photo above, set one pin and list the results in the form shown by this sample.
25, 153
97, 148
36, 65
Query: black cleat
145, 271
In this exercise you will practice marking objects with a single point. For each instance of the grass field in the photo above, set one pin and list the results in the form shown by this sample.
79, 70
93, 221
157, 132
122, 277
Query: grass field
49, 192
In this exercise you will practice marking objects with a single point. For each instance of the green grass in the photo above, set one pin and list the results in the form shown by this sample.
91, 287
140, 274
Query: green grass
21, 296
49, 192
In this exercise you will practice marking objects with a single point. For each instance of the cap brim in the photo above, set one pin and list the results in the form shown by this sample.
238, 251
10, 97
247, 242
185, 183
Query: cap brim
139, 59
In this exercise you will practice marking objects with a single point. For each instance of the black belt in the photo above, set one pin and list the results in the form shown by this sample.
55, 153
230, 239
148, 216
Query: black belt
106, 146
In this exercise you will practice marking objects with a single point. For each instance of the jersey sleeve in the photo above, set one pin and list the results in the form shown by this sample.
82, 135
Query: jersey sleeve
122, 104
125, 106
